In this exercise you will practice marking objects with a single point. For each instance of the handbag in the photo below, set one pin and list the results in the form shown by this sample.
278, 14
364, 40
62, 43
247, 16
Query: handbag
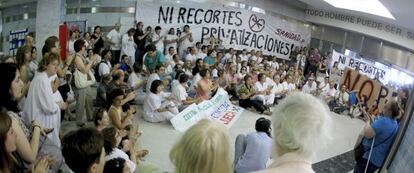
83, 80
359, 148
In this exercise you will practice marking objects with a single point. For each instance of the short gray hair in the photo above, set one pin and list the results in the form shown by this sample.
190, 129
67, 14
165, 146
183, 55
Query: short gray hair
301, 124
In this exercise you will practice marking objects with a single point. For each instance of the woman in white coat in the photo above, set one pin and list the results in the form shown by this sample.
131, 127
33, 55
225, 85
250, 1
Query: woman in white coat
157, 106
128, 45
39, 103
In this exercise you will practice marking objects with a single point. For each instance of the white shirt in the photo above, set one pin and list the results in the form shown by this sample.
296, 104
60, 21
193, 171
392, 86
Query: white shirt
151, 78
260, 87
201, 55
134, 80
342, 97
160, 43
116, 153
179, 93
128, 47
171, 37
244, 57
309, 88
115, 37
190, 57
253, 58
71, 46
104, 68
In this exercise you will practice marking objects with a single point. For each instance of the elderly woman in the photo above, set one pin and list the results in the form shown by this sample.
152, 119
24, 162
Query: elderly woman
382, 133
204, 148
309, 124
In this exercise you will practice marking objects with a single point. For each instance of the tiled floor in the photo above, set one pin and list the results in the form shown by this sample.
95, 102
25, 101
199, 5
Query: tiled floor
159, 138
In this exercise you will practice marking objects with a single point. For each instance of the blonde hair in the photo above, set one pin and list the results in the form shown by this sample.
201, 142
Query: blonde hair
204, 148
301, 124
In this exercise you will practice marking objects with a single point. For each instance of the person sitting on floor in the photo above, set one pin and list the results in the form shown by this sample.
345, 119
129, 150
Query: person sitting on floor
246, 92
157, 106
180, 94
253, 151
117, 116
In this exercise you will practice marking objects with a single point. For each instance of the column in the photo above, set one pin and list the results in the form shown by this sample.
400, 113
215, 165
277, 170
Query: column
48, 18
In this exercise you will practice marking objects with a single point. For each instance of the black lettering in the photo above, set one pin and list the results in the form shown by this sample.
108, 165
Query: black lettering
181, 13
195, 16
216, 15
253, 41
209, 14
239, 18
258, 41
351, 63
205, 33
245, 43
163, 15
233, 37
224, 16
342, 59
410, 35
189, 15
270, 44
229, 21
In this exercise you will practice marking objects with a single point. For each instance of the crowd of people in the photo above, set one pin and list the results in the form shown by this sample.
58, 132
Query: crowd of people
166, 73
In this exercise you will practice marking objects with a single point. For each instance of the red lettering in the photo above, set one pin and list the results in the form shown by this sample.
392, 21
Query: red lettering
227, 117
363, 86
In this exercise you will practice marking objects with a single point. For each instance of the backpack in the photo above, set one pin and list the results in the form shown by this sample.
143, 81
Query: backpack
96, 71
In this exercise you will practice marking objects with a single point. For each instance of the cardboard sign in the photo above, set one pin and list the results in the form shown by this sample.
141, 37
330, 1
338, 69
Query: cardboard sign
374, 90
219, 108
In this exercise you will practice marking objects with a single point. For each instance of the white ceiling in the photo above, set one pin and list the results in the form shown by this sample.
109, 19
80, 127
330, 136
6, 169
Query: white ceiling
402, 10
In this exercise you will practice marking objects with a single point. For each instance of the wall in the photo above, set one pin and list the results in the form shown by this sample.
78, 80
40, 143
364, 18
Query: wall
327, 38
13, 19
403, 160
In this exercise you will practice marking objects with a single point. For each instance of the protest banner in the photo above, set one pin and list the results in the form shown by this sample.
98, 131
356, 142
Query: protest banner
218, 108
365, 67
372, 89
235, 27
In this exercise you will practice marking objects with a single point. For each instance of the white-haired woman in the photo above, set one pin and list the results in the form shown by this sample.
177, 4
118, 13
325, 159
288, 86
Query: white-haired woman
300, 123
204, 148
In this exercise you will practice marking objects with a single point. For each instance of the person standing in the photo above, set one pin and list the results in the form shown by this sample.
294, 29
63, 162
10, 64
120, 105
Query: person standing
171, 40
139, 39
99, 42
157, 39
128, 45
114, 40
185, 41
39, 106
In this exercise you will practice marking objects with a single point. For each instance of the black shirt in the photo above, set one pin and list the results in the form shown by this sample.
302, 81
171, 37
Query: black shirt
140, 43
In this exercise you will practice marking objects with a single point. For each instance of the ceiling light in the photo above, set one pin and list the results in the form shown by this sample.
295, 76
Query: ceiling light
374, 7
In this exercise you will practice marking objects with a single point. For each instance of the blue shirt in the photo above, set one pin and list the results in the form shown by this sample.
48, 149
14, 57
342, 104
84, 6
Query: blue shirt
258, 147
152, 62
209, 60
385, 131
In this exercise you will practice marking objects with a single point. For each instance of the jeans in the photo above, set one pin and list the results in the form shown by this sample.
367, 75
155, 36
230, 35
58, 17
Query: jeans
116, 55
360, 167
